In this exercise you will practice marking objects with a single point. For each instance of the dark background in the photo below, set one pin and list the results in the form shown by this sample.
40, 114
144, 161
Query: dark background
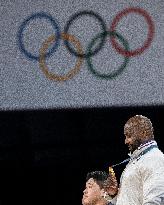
46, 154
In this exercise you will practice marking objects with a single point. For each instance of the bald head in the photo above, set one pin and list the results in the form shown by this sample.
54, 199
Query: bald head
138, 129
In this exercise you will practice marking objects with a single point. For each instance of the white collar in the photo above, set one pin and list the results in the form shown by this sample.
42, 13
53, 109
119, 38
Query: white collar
141, 148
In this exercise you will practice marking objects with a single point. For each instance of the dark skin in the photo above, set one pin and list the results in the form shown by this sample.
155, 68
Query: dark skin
138, 130
132, 140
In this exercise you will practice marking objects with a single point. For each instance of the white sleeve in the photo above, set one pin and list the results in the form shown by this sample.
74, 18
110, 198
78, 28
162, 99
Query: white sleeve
153, 182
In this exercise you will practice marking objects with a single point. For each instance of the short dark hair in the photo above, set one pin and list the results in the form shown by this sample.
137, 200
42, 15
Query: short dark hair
99, 177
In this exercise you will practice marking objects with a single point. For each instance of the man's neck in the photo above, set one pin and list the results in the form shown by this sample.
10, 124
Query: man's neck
142, 144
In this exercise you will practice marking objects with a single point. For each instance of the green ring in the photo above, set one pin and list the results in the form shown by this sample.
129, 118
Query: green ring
121, 68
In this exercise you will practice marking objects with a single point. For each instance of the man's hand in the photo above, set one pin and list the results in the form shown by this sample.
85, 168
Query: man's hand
111, 184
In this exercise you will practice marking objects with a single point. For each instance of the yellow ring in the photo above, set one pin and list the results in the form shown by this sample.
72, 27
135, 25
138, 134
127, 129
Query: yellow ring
43, 65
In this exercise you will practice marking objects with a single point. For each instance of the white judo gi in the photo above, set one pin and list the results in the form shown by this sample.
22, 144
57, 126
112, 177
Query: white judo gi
142, 181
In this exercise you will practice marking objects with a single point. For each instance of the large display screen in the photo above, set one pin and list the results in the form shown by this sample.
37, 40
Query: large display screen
81, 53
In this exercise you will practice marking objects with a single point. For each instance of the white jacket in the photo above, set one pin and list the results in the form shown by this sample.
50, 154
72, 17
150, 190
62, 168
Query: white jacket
142, 181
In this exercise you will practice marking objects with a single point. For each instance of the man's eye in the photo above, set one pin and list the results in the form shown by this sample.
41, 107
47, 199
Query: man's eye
128, 135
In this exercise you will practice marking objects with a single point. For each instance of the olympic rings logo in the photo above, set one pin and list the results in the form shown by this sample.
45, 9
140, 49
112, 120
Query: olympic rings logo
111, 32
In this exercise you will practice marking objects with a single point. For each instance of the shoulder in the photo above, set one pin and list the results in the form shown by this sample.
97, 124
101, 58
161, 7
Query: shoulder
152, 161
153, 155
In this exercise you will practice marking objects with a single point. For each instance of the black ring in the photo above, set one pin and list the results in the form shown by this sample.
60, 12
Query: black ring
102, 42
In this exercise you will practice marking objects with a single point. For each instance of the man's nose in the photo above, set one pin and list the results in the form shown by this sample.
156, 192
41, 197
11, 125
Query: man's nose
84, 192
126, 141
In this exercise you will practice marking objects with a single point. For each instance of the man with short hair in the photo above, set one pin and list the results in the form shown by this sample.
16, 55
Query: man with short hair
99, 186
142, 181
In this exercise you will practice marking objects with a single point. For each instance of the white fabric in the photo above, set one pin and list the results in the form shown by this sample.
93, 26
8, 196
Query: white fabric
142, 181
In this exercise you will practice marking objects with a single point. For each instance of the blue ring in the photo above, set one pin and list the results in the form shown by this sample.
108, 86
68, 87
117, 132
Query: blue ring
22, 27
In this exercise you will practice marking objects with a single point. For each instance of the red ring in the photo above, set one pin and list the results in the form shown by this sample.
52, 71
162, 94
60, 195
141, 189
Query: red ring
151, 30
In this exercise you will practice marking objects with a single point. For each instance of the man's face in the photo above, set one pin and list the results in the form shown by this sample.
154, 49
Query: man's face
132, 139
92, 193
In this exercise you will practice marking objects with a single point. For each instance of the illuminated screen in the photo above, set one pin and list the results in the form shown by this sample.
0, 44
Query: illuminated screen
81, 53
